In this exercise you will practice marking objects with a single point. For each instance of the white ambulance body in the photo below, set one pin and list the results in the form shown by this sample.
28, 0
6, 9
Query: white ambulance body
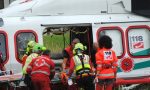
26, 20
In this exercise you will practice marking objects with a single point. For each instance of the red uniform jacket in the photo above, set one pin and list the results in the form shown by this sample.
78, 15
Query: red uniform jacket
106, 61
70, 53
41, 68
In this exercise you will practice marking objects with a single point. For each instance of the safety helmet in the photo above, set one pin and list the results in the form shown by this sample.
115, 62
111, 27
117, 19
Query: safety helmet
31, 44
37, 48
43, 48
79, 48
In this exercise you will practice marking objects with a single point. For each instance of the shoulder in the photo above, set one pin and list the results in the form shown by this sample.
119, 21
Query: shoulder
112, 51
68, 48
86, 55
99, 52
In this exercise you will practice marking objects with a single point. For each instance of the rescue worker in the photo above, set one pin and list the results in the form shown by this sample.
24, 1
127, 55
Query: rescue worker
68, 54
30, 45
2, 67
2, 72
80, 63
106, 61
36, 51
40, 69
32, 53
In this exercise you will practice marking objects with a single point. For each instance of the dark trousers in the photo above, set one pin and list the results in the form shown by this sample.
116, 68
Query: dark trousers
86, 82
41, 85
28, 82
105, 84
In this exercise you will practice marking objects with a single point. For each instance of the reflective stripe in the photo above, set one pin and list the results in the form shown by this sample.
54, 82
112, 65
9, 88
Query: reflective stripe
39, 71
82, 71
98, 61
28, 61
80, 66
47, 64
110, 74
99, 65
29, 67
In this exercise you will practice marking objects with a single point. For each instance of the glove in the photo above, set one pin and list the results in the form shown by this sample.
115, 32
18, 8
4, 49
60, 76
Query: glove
63, 77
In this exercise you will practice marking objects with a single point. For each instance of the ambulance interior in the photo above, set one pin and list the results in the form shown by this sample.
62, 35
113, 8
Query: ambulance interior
58, 37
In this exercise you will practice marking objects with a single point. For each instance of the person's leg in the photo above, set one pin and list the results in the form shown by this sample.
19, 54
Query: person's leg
109, 84
79, 83
99, 87
45, 85
88, 83
109, 87
36, 85
101, 84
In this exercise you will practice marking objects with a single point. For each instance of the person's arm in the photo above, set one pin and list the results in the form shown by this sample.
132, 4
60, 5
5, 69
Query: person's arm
30, 66
2, 66
64, 63
72, 65
98, 57
115, 65
52, 71
66, 56
24, 59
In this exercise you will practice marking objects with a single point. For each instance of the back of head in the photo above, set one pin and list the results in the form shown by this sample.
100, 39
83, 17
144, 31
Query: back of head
75, 41
46, 52
105, 42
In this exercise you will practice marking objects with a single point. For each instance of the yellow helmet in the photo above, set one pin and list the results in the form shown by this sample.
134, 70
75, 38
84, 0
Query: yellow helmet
79, 46
31, 44
43, 48
37, 48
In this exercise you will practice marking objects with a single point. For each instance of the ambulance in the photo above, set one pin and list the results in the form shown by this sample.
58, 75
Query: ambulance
127, 22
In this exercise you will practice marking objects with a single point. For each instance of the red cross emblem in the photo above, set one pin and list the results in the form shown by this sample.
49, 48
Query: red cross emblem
39, 63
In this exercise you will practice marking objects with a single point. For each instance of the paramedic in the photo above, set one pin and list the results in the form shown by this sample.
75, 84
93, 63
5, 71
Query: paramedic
68, 54
106, 61
40, 70
80, 63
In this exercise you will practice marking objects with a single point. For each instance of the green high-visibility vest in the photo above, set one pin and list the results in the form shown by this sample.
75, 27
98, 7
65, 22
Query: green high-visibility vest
28, 61
78, 63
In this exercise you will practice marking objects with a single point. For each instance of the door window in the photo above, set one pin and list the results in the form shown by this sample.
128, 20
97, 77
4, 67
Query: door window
116, 35
22, 38
3, 46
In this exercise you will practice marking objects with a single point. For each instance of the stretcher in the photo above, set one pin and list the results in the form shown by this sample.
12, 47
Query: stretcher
10, 82
57, 83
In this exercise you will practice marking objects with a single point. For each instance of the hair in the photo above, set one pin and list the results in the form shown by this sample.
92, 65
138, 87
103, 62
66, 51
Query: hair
46, 52
105, 42
76, 40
